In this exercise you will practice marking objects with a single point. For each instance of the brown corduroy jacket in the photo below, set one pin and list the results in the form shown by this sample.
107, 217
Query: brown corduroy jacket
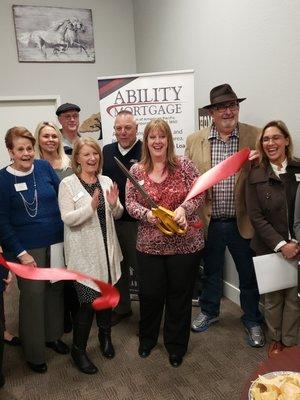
198, 149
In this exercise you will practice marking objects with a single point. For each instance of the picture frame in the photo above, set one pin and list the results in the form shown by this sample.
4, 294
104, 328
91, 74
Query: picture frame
54, 34
204, 118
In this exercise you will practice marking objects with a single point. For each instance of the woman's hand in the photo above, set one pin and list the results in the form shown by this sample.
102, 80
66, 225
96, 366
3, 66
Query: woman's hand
112, 195
27, 259
8, 281
151, 218
180, 217
95, 199
253, 155
290, 250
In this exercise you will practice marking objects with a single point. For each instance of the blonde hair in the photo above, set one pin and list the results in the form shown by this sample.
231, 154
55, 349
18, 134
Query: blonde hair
289, 149
65, 161
78, 144
171, 159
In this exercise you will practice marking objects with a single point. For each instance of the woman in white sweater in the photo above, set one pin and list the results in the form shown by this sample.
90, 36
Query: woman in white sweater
89, 203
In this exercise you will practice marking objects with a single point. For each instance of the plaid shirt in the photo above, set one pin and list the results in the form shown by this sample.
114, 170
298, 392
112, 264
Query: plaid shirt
223, 193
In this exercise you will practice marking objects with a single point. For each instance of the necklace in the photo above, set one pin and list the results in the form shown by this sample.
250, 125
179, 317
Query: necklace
89, 180
31, 207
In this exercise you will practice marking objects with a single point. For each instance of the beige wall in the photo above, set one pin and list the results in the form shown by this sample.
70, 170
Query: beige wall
252, 44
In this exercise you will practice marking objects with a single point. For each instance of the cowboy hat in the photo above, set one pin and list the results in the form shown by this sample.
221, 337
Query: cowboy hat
222, 94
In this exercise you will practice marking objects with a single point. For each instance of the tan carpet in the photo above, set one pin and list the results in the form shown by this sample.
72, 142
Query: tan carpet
216, 366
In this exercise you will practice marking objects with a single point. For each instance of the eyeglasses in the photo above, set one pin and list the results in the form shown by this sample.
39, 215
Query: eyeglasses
68, 117
274, 138
234, 105
126, 128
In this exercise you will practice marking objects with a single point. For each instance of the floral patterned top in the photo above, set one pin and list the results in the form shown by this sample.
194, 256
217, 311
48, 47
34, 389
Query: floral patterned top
170, 194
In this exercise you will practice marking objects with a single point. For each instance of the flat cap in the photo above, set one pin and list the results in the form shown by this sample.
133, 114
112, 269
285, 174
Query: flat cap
67, 107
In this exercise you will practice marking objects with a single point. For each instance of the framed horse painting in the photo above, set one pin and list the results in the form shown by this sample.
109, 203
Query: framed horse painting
54, 34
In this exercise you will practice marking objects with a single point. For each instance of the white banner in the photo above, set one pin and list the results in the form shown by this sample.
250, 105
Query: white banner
167, 95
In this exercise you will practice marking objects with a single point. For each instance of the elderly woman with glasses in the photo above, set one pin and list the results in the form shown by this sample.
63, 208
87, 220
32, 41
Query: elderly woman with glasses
29, 224
270, 195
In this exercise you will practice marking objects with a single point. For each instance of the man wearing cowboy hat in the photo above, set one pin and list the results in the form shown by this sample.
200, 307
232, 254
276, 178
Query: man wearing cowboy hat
225, 213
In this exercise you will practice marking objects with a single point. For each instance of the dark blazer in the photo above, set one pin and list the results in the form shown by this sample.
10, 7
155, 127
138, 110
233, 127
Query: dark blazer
111, 169
270, 205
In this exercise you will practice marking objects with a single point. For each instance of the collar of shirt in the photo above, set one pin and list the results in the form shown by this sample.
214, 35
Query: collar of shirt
277, 170
66, 142
125, 151
214, 134
15, 172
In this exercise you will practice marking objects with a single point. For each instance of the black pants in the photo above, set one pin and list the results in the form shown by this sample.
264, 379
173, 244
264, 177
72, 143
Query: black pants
83, 322
166, 281
71, 303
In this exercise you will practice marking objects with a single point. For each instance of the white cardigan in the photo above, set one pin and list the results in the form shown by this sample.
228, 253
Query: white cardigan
83, 243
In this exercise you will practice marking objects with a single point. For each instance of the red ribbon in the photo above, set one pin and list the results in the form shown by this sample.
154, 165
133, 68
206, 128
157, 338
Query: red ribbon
219, 172
109, 294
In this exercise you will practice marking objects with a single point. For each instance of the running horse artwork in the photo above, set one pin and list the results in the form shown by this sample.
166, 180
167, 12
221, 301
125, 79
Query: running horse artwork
60, 36
66, 39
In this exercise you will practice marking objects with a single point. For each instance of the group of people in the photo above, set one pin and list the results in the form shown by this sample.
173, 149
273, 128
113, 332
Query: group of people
108, 227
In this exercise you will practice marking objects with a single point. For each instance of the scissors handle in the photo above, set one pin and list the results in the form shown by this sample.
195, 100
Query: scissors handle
166, 223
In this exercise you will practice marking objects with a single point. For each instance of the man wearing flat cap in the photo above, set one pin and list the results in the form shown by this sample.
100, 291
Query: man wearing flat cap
225, 213
68, 117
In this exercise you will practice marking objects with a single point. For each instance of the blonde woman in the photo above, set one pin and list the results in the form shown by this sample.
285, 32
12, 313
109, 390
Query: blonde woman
89, 203
167, 264
48, 146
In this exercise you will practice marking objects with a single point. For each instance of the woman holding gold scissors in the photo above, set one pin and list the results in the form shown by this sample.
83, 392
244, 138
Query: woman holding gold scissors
167, 263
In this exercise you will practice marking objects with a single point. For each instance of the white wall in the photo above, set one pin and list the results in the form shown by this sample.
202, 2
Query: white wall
115, 54
251, 44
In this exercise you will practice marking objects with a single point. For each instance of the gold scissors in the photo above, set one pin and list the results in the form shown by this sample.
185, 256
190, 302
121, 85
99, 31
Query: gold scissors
165, 217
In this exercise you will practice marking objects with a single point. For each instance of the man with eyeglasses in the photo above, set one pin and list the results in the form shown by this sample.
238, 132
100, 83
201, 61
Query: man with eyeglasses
225, 215
68, 117
127, 149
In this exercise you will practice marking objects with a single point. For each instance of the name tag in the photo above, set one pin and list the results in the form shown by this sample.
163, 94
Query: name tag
78, 196
20, 186
297, 177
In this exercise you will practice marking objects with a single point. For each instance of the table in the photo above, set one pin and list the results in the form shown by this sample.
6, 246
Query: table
286, 360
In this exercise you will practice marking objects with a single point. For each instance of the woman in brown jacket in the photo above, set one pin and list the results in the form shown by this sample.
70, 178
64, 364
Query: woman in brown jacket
270, 196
